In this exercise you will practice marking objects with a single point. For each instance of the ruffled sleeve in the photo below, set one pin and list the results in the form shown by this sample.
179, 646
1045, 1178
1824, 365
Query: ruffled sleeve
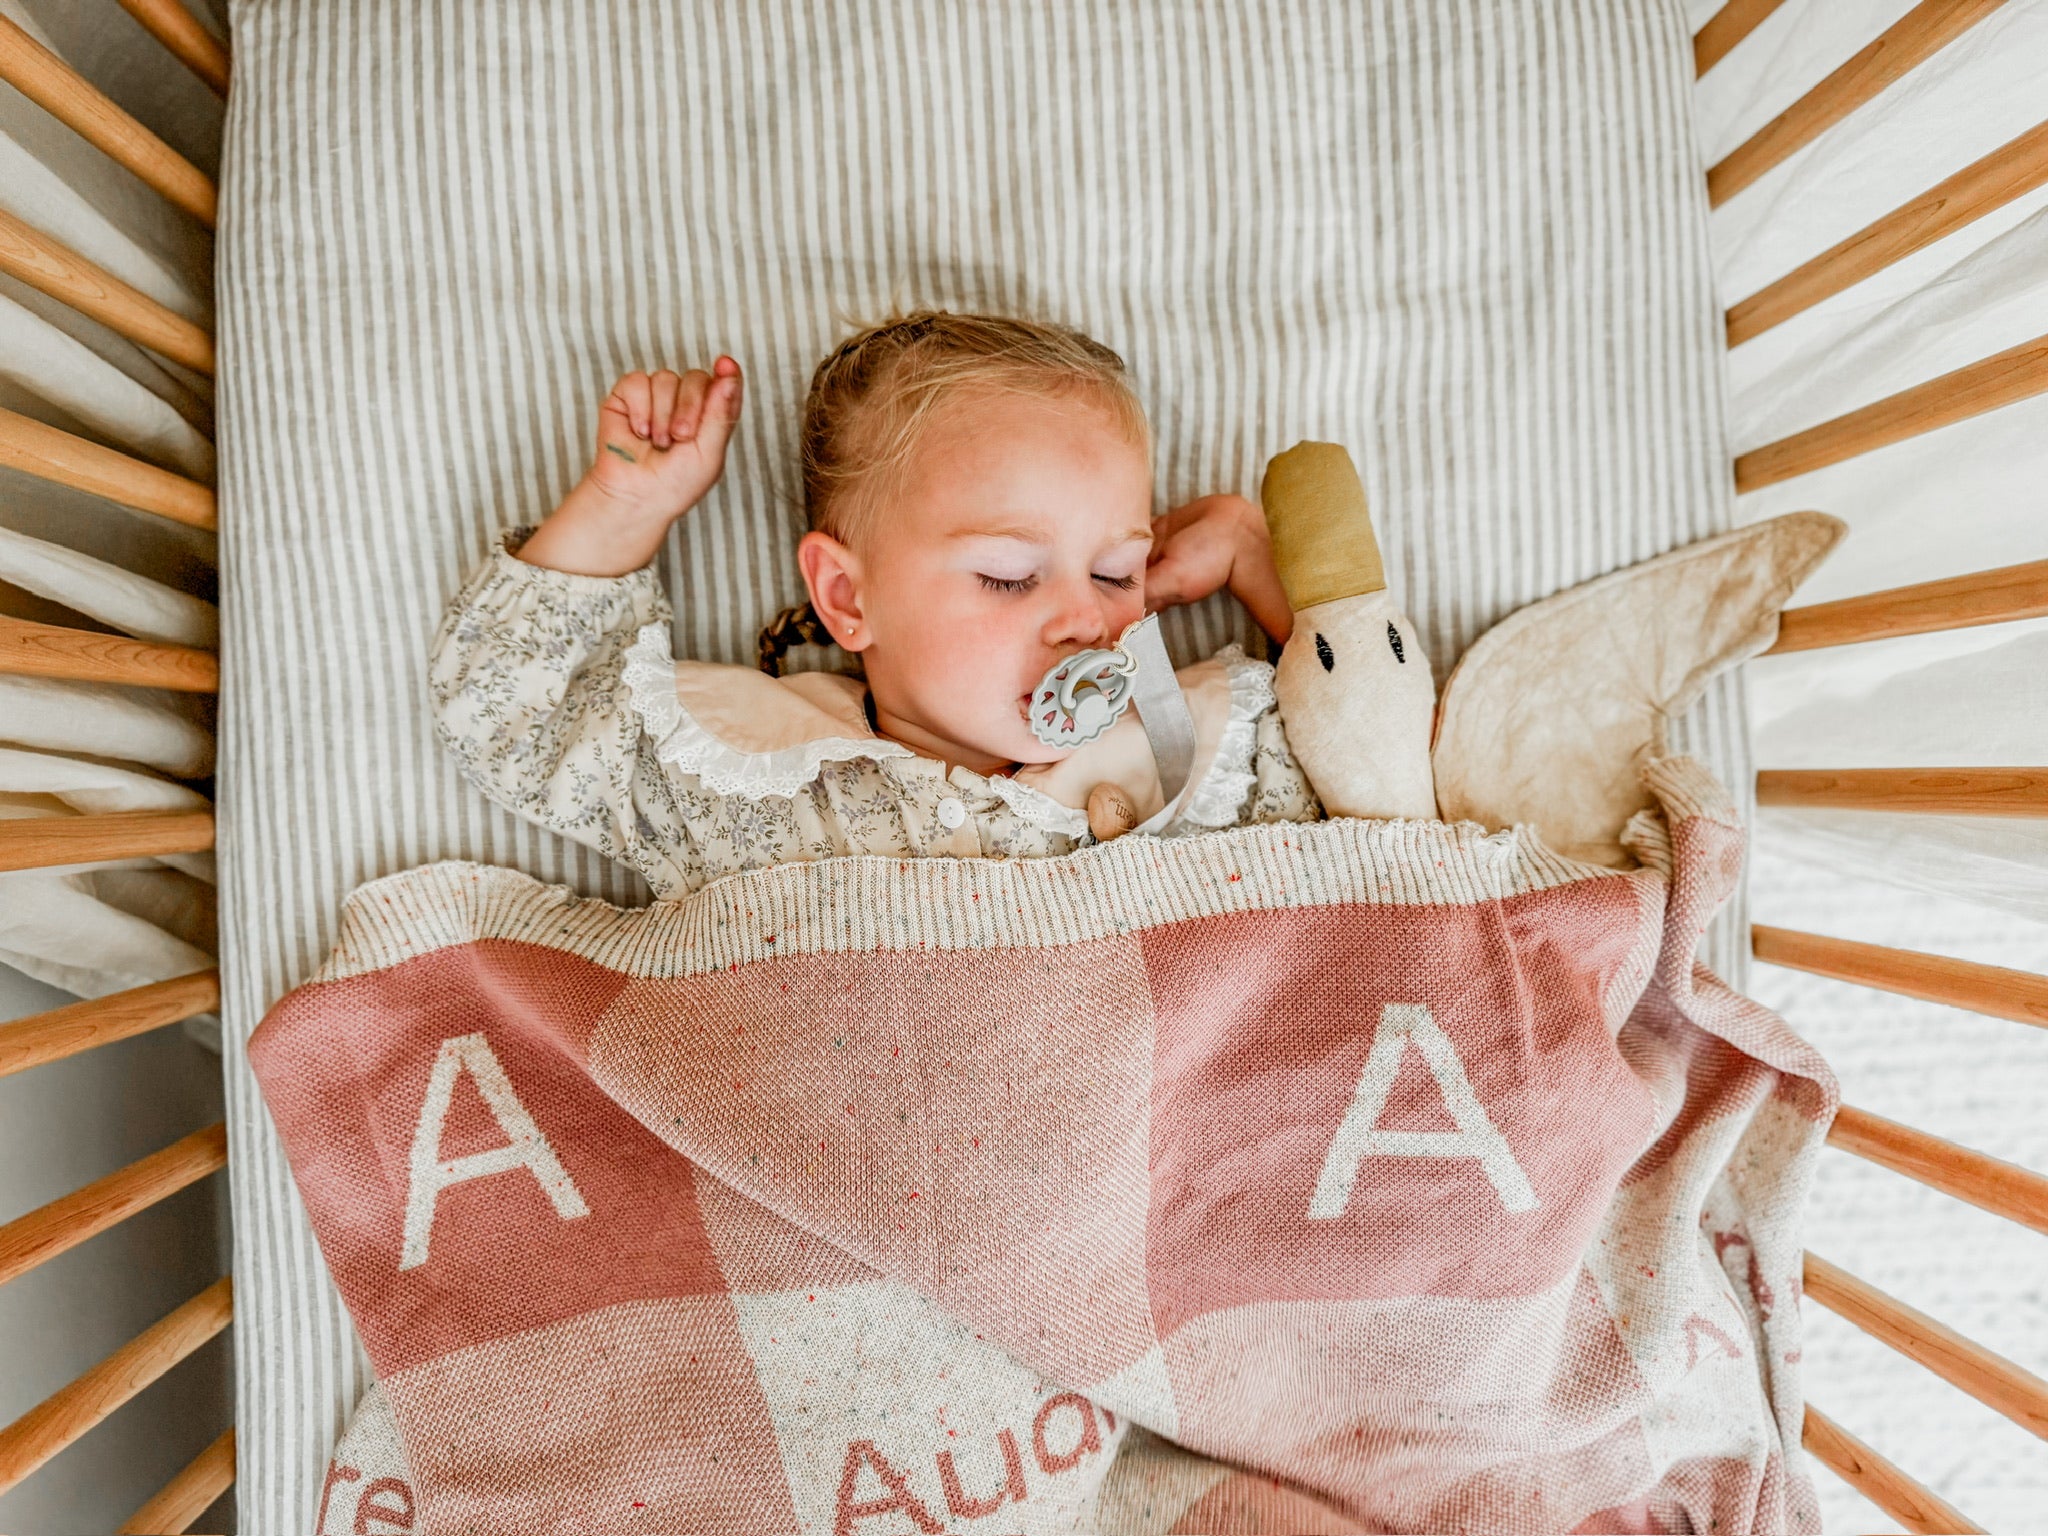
525, 678
1253, 777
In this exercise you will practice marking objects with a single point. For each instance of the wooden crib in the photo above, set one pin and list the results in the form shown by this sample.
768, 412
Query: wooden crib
1990, 597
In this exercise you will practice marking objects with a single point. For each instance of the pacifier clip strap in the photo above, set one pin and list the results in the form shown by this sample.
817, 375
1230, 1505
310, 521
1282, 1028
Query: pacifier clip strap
1163, 711
1087, 693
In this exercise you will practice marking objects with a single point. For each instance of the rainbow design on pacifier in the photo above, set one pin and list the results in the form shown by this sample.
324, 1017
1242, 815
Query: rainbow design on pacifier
1084, 695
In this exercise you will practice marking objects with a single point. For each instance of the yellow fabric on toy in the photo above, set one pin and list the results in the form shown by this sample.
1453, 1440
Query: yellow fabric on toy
1323, 545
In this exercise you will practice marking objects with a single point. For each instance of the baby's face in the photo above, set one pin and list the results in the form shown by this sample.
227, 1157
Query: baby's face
1019, 537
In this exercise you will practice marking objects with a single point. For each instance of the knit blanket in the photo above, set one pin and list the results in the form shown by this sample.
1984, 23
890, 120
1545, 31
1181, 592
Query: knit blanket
1353, 1176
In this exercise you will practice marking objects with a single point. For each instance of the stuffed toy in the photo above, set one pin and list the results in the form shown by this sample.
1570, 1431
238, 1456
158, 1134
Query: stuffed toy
1550, 715
1353, 683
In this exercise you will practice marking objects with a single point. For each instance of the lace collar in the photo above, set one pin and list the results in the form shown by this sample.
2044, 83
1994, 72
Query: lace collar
742, 732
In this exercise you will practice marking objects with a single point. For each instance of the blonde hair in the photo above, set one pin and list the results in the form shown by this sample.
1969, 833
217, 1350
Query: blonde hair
876, 394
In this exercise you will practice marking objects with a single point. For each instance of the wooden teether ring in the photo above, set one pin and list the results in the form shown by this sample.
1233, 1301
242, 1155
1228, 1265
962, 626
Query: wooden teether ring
1110, 812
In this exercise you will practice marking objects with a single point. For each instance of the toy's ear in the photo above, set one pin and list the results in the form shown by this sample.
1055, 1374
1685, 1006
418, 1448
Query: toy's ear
1549, 715
1321, 529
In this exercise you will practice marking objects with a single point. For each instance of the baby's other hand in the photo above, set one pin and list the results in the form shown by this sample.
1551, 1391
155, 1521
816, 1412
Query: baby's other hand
661, 438
1212, 543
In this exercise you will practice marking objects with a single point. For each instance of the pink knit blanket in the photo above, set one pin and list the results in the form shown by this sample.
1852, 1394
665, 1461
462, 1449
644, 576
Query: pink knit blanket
1355, 1176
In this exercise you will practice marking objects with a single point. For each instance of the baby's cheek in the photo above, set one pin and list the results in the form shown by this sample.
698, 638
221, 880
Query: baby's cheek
995, 658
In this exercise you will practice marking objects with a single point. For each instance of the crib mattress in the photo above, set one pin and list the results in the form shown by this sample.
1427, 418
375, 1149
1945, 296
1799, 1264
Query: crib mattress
1464, 237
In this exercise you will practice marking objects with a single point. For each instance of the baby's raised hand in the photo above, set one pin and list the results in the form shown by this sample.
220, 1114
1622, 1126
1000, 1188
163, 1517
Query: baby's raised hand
1212, 543
660, 446
661, 437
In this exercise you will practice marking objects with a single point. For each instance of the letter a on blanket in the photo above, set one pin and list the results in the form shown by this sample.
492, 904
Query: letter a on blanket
525, 1146
1360, 1136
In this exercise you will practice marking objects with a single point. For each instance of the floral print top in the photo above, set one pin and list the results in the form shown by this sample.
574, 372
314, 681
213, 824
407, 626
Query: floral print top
558, 696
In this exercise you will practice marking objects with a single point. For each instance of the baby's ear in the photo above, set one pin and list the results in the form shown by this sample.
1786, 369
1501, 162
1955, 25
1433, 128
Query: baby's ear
832, 571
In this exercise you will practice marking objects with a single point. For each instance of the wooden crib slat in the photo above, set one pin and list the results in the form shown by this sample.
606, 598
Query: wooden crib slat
1990, 989
179, 30
71, 1219
1957, 602
1921, 791
2014, 168
88, 112
37, 842
1989, 1183
1990, 1378
2016, 374
1915, 37
61, 1032
173, 1508
69, 1412
64, 458
1918, 1509
31, 649
1725, 28
32, 257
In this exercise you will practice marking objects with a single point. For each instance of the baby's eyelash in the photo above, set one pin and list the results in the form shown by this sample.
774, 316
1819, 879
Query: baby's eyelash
1026, 583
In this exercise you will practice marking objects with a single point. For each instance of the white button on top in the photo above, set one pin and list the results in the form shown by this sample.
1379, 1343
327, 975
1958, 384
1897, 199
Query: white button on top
952, 814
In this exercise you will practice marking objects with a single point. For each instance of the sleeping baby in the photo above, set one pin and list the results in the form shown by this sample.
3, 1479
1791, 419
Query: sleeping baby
979, 492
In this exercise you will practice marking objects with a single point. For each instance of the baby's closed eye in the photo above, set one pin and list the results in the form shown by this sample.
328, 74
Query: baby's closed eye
1026, 583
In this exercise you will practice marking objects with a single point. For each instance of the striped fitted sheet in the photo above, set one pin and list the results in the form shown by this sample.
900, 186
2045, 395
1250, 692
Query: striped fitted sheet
1464, 237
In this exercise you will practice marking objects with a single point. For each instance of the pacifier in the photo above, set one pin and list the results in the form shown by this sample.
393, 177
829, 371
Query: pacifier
1086, 694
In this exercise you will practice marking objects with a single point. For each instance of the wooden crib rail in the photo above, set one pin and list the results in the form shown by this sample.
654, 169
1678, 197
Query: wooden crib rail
1988, 989
69, 1412
32, 257
1914, 38
1727, 27
72, 1219
2011, 170
64, 458
61, 1032
173, 1508
39, 842
2015, 374
62, 92
30, 649
1999, 596
1918, 1509
1989, 1183
1989, 1377
189, 42
1920, 791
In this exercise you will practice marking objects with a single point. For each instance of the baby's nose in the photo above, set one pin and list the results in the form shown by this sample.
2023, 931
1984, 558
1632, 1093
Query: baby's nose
1077, 624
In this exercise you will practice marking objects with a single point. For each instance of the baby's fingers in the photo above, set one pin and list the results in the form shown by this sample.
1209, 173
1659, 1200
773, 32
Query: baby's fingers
715, 406
689, 405
633, 398
1166, 582
664, 388
721, 406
